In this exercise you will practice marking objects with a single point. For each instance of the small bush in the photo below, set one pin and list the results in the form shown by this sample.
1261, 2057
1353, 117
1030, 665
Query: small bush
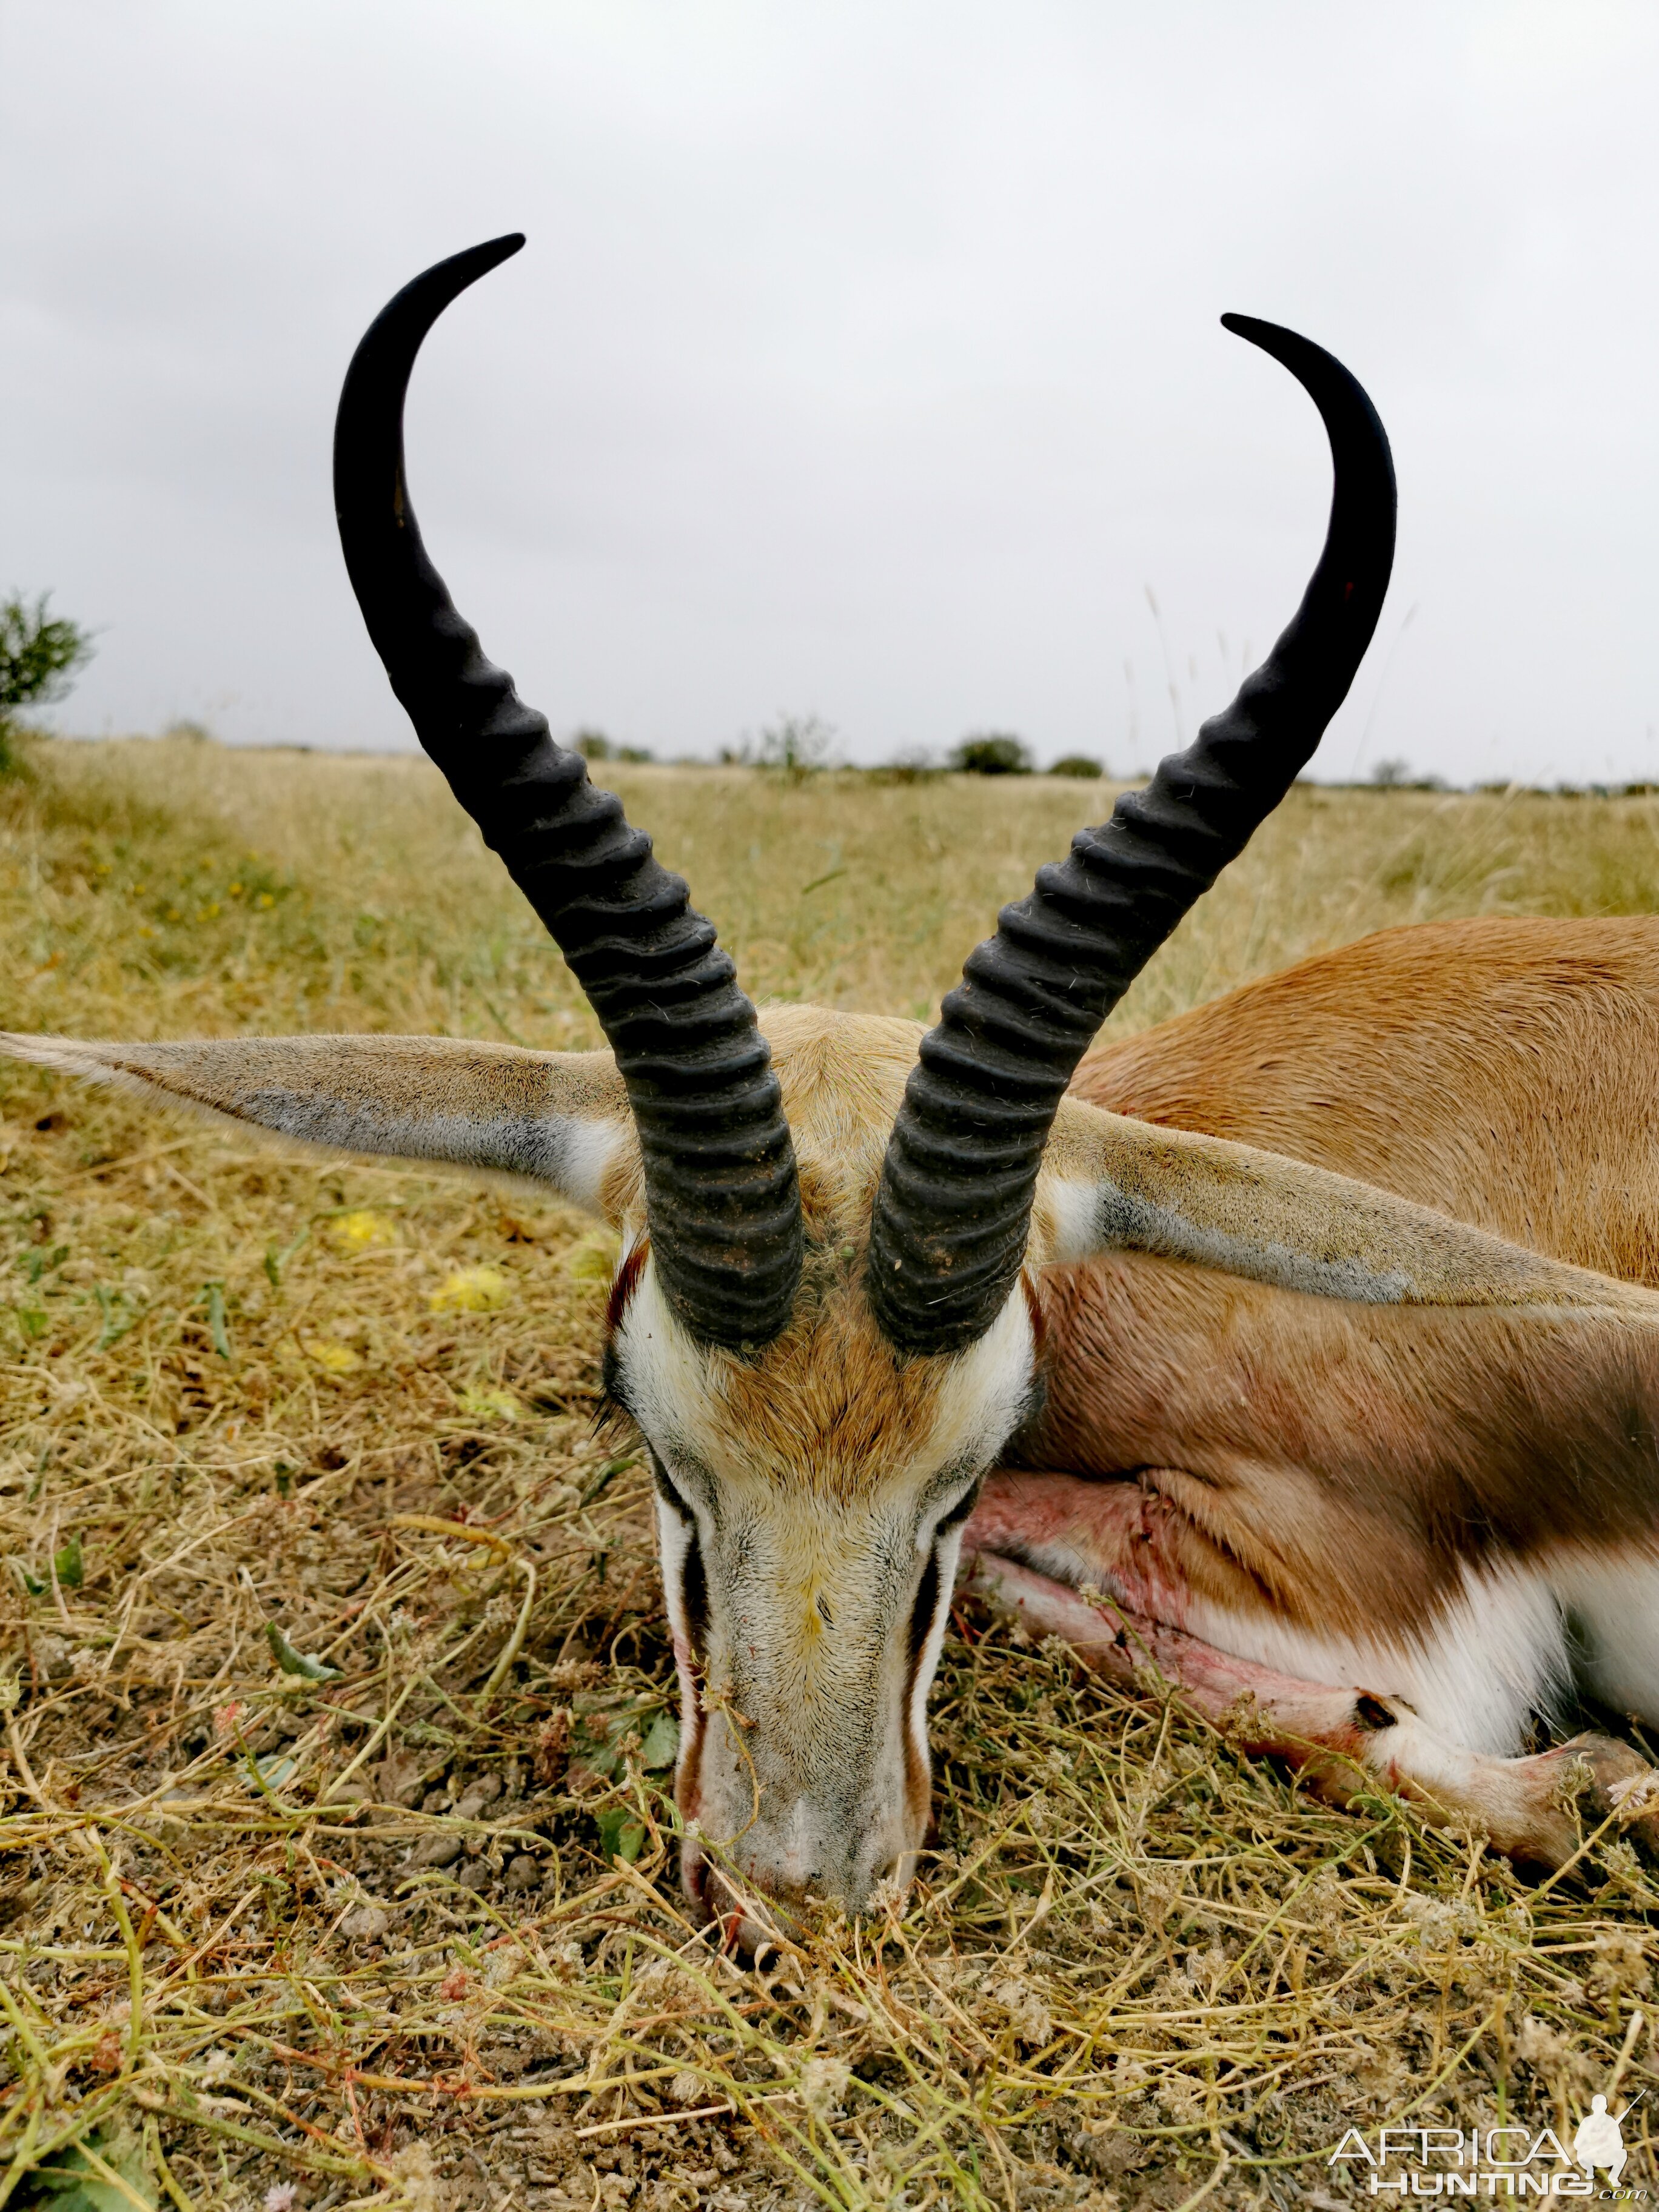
916, 764
594, 746
1079, 764
798, 744
38, 653
1398, 776
994, 753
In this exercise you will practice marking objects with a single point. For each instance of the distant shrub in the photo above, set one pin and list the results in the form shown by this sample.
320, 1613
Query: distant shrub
594, 746
915, 765
903, 771
1078, 764
196, 733
1396, 775
798, 744
38, 653
992, 753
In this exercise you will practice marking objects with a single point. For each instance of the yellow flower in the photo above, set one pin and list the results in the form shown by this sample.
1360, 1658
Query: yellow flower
334, 1358
361, 1231
470, 1290
489, 1404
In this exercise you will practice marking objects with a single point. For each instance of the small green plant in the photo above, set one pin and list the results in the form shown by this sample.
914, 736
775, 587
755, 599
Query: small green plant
915, 765
993, 752
1078, 764
798, 744
1399, 775
594, 746
38, 653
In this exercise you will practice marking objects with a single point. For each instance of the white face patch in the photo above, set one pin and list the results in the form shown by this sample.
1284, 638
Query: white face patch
671, 1386
983, 1397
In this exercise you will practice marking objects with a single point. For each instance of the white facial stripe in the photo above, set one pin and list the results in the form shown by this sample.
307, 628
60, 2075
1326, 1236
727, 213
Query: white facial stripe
949, 1554
1097, 1217
675, 1538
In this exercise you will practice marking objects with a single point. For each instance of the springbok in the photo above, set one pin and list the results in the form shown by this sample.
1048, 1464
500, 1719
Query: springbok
1300, 1350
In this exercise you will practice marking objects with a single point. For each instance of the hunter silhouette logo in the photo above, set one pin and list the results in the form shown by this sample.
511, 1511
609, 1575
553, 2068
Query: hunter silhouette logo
1600, 2141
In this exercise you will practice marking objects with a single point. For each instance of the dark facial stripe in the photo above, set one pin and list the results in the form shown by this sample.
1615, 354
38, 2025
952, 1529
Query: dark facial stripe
921, 1619
623, 1287
959, 1512
694, 1586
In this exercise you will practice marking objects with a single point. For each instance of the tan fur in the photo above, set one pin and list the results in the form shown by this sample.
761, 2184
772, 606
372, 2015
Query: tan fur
1248, 1212
1505, 1072
541, 1118
383, 1075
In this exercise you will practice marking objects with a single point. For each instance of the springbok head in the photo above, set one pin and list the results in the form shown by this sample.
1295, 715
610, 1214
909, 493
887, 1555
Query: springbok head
821, 1324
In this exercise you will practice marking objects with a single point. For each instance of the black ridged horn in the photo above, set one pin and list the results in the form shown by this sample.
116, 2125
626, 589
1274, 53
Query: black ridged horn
954, 1203
721, 1196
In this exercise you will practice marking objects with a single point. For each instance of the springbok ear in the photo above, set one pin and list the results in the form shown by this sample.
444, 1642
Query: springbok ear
1119, 1185
556, 1119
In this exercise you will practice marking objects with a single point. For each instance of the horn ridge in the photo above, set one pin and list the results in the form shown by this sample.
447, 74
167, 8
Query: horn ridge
722, 1198
953, 1206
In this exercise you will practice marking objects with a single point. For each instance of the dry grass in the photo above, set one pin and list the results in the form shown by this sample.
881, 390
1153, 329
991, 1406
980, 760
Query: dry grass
380, 1935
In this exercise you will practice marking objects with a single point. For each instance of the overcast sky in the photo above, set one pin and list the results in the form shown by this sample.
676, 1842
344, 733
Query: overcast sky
863, 359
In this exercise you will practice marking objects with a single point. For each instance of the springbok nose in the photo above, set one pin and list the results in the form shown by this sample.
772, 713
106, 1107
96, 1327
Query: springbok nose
760, 1900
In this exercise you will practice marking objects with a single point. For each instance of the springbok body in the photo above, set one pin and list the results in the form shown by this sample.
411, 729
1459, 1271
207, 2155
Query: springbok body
1333, 1396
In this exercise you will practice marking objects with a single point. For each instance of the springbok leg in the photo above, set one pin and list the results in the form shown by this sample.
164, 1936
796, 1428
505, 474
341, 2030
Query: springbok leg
1344, 1742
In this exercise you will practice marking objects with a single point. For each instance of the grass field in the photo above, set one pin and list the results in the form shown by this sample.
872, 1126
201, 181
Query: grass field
409, 1934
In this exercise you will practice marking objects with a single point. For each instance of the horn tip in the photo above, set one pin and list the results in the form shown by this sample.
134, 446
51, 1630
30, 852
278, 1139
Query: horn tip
492, 251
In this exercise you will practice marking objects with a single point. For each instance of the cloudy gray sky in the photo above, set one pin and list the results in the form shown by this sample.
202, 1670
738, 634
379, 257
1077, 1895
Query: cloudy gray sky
863, 359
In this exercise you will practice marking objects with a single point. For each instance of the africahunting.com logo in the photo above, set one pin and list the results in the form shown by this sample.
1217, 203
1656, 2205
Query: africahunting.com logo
1499, 2161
